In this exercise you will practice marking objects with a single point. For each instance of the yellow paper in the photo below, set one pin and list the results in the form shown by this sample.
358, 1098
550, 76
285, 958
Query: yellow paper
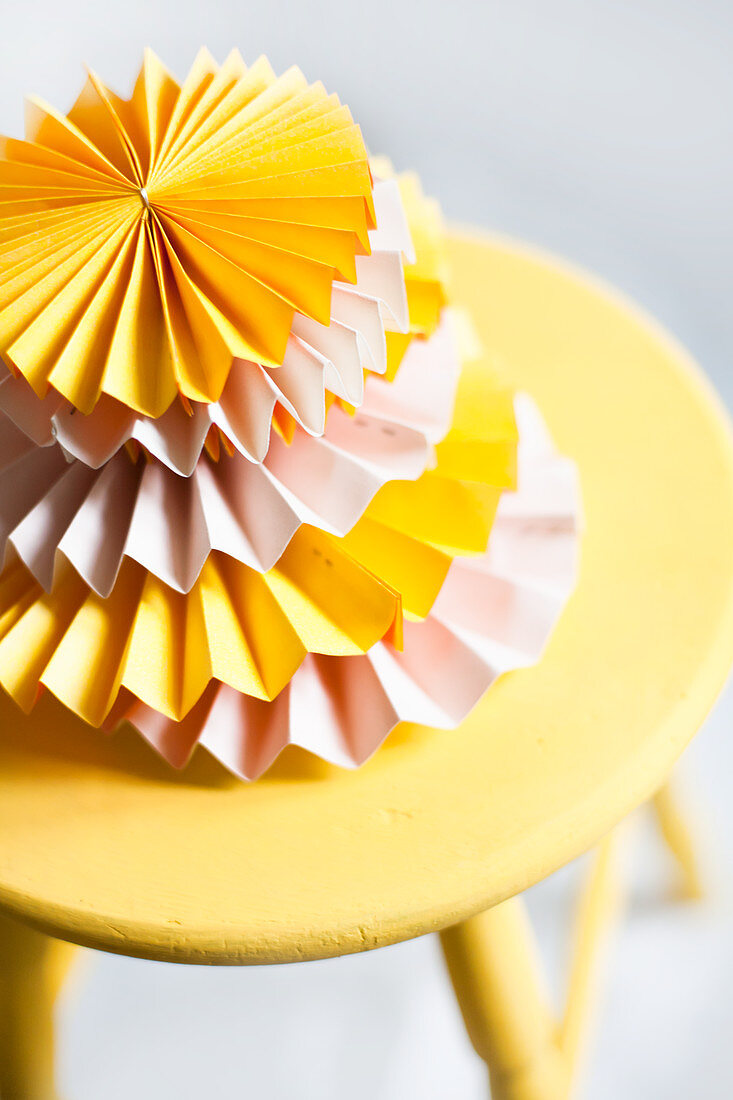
247, 629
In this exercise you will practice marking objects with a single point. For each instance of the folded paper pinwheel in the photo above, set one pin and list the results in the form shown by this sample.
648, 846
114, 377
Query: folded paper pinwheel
256, 487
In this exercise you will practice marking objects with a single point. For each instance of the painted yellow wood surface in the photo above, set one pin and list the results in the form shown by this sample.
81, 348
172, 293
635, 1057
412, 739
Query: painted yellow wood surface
102, 844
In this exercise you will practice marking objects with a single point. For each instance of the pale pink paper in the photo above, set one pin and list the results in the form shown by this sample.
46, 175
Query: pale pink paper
170, 524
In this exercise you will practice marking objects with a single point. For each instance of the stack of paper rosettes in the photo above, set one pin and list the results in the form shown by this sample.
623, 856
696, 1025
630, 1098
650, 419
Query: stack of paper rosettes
253, 489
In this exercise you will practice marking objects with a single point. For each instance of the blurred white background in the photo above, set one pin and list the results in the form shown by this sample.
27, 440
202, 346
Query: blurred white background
600, 129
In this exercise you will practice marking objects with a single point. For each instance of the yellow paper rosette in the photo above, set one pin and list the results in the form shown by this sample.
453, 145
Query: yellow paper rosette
147, 243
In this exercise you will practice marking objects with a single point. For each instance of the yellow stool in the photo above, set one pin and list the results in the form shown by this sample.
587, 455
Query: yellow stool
101, 845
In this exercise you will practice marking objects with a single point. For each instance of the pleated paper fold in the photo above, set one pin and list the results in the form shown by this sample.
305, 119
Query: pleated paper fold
247, 629
427, 272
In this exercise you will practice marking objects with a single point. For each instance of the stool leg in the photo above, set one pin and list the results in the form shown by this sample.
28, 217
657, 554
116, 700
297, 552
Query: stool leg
599, 908
676, 835
32, 968
492, 963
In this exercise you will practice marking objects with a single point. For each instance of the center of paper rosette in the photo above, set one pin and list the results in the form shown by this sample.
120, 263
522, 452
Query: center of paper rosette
144, 197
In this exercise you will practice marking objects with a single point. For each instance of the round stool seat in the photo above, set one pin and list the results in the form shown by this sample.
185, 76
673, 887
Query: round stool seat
103, 844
